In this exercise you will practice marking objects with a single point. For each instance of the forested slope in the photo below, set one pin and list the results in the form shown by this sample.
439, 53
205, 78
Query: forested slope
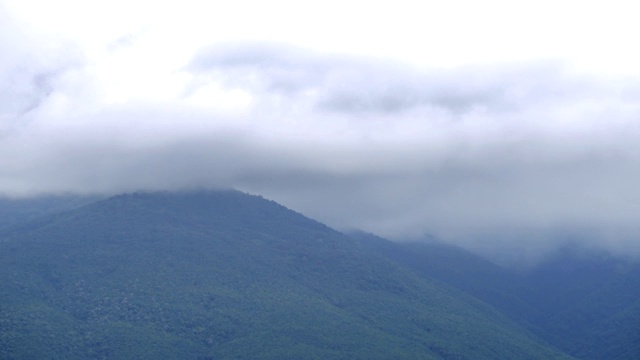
227, 275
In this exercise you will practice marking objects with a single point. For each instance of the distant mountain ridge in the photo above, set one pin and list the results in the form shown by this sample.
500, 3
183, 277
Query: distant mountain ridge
223, 274
584, 302
15, 211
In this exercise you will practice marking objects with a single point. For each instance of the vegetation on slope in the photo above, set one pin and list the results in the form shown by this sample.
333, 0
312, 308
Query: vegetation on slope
227, 275
582, 302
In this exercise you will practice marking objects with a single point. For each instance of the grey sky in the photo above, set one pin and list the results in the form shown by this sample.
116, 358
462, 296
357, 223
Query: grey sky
492, 153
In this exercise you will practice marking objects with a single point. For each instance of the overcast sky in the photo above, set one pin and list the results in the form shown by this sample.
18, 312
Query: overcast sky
493, 124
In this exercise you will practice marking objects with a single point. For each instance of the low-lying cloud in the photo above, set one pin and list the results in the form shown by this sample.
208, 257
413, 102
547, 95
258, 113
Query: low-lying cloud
518, 157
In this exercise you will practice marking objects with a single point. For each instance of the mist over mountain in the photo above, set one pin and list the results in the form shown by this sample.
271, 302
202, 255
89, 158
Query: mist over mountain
494, 134
487, 156
514, 145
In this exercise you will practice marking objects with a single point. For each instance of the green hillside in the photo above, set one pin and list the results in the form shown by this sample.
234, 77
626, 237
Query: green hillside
583, 302
227, 275
452, 266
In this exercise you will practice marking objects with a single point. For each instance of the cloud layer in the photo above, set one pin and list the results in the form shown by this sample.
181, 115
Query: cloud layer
491, 157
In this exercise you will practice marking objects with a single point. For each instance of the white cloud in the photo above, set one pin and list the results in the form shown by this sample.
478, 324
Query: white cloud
462, 118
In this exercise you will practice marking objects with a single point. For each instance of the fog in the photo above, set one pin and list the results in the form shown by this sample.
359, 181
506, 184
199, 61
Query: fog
512, 157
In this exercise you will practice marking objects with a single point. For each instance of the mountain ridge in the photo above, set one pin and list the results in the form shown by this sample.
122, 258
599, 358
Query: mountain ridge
226, 274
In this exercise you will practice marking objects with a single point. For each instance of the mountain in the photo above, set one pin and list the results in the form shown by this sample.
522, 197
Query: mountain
455, 267
222, 274
590, 303
18, 210
583, 302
